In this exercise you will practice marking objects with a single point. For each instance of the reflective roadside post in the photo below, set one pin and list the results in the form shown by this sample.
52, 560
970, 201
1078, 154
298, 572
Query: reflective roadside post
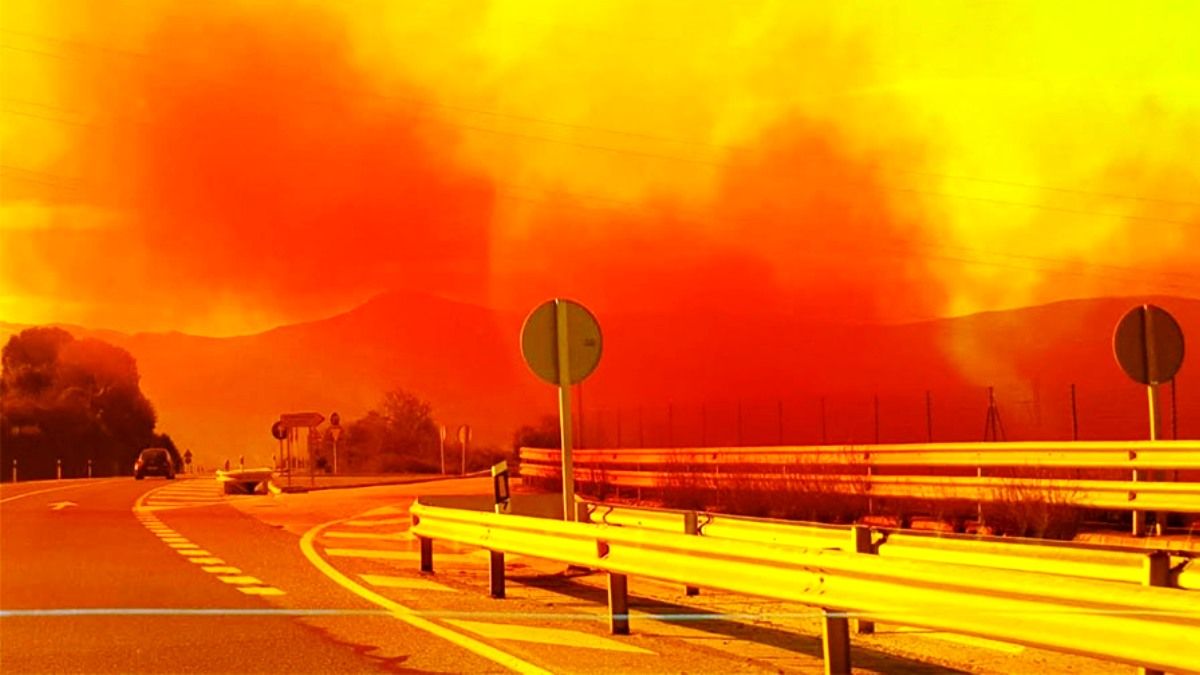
500, 494
58, 468
14, 470
89, 468
1148, 344
561, 343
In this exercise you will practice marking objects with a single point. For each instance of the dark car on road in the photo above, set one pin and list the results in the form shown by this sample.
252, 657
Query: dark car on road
154, 462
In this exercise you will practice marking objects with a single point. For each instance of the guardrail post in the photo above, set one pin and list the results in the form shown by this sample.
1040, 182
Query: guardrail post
1156, 571
618, 603
860, 540
583, 512
496, 573
835, 642
691, 525
426, 554
1156, 568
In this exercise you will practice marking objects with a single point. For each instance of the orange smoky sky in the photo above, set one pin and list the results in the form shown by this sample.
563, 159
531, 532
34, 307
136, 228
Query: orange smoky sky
225, 167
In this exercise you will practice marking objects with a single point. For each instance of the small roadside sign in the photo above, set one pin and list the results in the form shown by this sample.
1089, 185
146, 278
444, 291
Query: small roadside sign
1148, 344
546, 335
307, 419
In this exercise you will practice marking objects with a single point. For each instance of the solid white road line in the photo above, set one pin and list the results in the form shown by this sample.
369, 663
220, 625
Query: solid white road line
546, 636
386, 536
406, 615
377, 521
409, 556
407, 583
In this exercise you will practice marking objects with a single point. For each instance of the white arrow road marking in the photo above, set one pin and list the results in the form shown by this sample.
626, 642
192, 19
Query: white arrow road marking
546, 636
59, 506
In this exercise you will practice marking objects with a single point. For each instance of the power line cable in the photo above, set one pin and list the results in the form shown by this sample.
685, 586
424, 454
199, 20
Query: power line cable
620, 132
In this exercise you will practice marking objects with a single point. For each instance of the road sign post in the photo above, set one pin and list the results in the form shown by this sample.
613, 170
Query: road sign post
335, 432
561, 343
442, 446
464, 439
1148, 344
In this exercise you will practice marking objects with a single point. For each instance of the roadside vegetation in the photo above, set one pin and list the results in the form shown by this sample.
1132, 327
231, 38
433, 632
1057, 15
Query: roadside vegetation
74, 400
401, 435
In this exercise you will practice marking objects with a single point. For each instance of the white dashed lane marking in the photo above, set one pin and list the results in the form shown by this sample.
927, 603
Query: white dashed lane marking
241, 580
260, 590
185, 494
177, 496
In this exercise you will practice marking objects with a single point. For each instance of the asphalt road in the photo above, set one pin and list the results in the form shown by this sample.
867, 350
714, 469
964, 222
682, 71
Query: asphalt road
161, 576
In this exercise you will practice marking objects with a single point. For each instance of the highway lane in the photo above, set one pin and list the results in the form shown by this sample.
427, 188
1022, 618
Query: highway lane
96, 555
328, 582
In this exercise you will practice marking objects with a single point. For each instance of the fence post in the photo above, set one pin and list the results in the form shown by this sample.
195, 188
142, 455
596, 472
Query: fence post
929, 414
496, 573
670, 426
824, 430
691, 526
1074, 415
876, 419
860, 540
739, 423
835, 642
618, 603
781, 422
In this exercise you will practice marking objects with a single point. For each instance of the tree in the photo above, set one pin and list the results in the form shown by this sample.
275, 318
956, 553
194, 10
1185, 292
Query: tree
399, 435
71, 400
544, 435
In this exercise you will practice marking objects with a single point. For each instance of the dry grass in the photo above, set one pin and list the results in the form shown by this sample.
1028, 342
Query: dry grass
1032, 509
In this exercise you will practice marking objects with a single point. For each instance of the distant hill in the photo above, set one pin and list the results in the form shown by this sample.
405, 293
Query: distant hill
218, 396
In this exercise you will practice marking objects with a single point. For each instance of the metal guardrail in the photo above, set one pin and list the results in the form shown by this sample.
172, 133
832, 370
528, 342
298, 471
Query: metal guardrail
714, 468
1089, 561
1023, 454
1154, 628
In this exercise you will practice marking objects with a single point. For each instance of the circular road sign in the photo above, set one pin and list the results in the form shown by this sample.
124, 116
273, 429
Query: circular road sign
277, 431
335, 420
539, 341
1148, 344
